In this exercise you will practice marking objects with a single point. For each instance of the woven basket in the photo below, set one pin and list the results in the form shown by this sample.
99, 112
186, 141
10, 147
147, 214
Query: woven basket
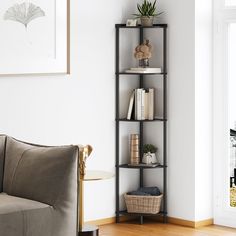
143, 204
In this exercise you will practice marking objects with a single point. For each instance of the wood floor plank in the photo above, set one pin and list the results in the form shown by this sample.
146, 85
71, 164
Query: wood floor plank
158, 229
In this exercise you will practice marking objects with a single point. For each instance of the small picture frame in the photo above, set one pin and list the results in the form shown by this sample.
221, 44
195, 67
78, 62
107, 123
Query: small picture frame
131, 22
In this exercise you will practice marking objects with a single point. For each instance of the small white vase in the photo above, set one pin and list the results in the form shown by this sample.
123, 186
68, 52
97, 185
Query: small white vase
149, 158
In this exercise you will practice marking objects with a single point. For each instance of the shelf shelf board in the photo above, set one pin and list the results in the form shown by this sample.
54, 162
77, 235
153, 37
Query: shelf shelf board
127, 166
127, 73
140, 26
141, 214
154, 120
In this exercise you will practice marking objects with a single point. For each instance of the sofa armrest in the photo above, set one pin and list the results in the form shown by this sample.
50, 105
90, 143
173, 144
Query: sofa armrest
41, 173
2, 156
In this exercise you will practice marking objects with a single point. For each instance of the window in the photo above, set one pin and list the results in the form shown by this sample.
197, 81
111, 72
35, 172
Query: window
232, 107
224, 112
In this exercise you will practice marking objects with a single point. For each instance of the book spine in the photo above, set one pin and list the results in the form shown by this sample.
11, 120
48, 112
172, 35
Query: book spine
135, 104
146, 105
142, 104
151, 104
139, 104
131, 105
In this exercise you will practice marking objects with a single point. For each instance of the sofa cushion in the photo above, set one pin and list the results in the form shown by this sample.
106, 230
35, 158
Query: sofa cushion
2, 151
40, 173
23, 217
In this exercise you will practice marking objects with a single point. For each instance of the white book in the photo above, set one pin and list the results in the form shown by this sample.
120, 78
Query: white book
146, 105
136, 104
142, 104
131, 105
143, 70
151, 104
139, 104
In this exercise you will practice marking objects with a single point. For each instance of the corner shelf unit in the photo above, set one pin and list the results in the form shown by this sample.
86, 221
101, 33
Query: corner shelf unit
119, 121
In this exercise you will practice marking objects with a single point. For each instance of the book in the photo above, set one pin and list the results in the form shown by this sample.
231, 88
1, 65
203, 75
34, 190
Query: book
142, 104
138, 97
143, 70
146, 106
131, 105
151, 104
139, 104
135, 104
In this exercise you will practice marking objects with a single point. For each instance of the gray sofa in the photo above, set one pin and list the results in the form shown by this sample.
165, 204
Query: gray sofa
38, 189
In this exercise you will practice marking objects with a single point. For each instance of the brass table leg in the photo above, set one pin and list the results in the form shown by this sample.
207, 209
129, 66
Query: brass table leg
81, 204
84, 230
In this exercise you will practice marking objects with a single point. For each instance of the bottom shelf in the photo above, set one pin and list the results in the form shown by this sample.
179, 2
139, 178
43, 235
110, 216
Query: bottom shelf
161, 213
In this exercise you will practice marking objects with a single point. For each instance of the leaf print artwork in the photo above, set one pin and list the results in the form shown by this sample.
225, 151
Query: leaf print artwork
23, 13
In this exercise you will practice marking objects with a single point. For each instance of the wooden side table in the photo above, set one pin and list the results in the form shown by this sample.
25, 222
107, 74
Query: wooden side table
89, 230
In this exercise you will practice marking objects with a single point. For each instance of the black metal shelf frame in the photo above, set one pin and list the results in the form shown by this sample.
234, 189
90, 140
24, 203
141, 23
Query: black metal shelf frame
141, 122
162, 213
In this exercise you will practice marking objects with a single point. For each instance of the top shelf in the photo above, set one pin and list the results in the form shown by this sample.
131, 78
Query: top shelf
141, 27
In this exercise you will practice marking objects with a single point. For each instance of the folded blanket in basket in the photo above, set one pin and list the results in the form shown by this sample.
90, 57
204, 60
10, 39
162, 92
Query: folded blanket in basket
138, 193
146, 191
154, 191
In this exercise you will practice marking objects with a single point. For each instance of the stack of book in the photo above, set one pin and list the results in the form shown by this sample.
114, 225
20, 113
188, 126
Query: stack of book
141, 104
142, 70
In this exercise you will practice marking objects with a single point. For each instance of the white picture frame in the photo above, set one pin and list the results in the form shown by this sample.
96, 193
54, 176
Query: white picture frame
37, 43
131, 22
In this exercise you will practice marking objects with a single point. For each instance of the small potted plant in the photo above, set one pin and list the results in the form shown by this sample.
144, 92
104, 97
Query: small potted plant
147, 12
149, 154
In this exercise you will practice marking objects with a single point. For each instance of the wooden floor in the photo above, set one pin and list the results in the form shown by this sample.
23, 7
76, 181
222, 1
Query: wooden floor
158, 229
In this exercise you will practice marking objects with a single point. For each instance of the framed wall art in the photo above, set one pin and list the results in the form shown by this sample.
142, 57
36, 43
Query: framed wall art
34, 37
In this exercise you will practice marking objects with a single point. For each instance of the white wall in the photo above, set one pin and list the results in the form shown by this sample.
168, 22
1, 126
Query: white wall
190, 108
203, 110
80, 108
180, 18
190, 104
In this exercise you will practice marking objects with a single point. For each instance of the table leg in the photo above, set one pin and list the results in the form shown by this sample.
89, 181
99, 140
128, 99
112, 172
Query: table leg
81, 205
84, 230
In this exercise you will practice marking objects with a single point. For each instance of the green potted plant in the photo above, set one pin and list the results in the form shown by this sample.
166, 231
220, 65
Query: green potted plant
147, 12
149, 154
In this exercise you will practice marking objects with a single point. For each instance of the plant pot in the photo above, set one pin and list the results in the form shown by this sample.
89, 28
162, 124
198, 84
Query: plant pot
149, 158
146, 20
